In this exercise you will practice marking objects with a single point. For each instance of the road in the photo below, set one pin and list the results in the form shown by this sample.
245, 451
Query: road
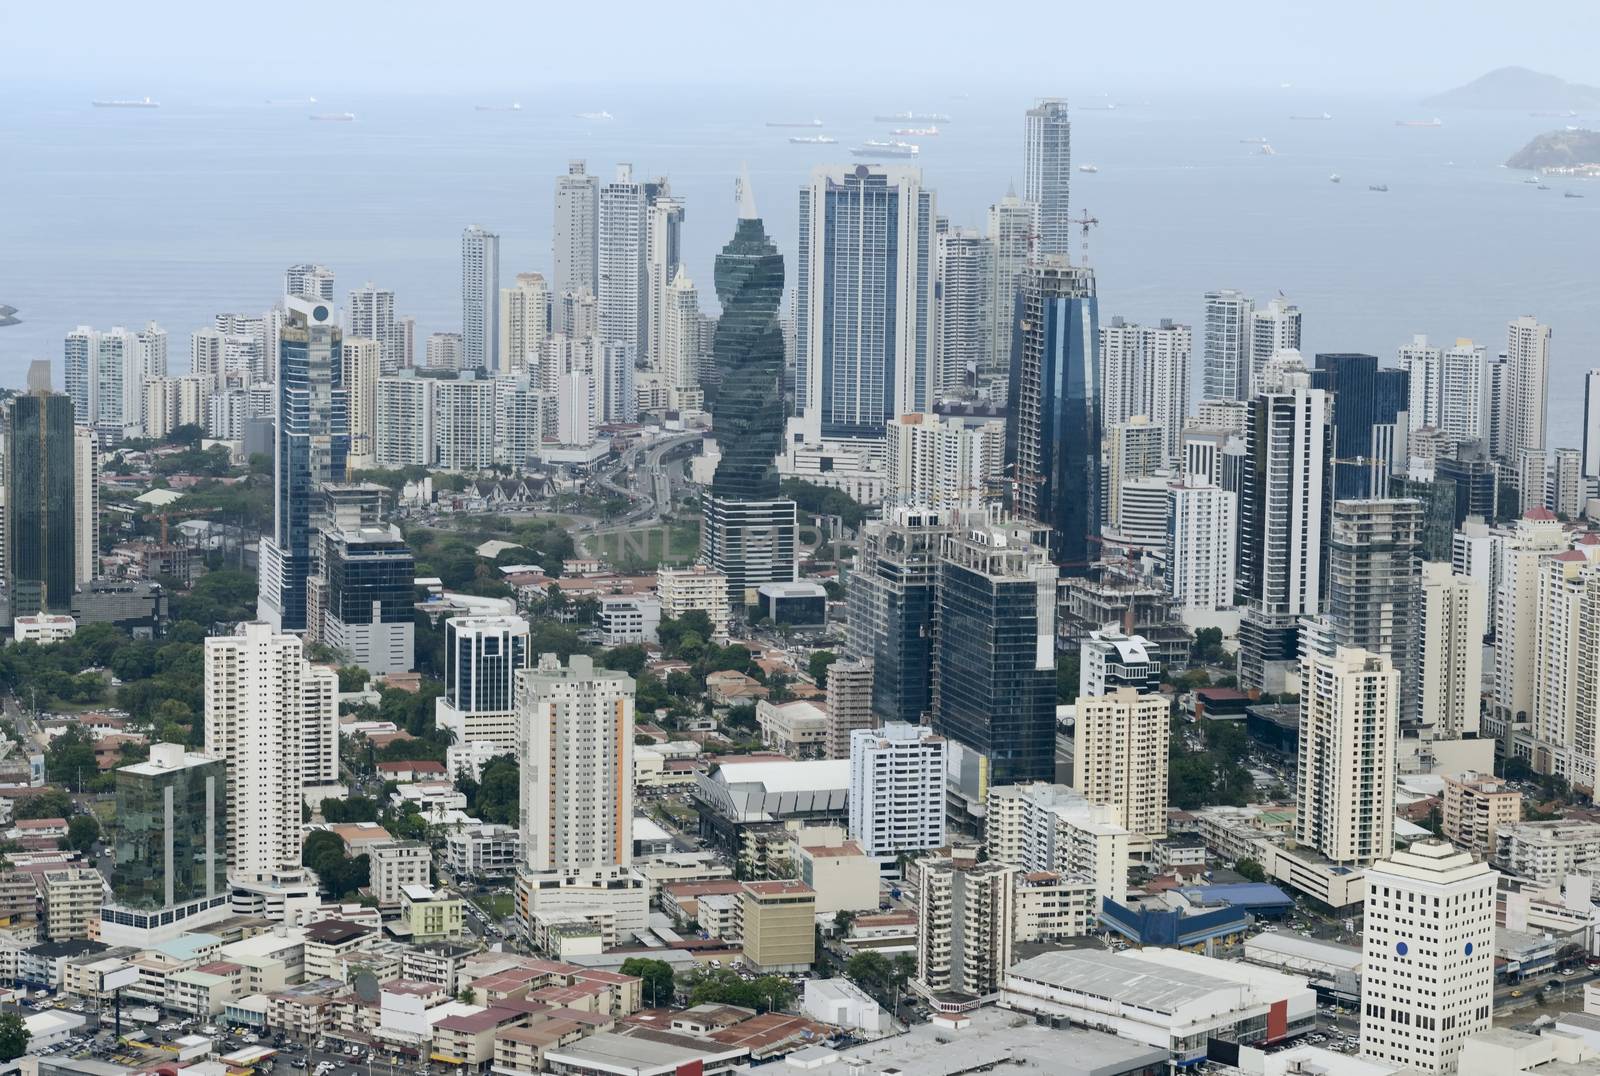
649, 482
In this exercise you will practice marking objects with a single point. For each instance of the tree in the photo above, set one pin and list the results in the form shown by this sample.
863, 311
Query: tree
1207, 649
724, 986
1250, 869
354, 809
1067, 678
70, 757
869, 970
82, 832
817, 666
498, 792
14, 1036
468, 996
630, 659
657, 976
53, 802
352, 678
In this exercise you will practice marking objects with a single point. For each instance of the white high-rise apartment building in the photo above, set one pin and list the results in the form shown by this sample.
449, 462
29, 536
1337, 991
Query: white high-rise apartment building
1009, 227
1144, 370
524, 311
1273, 328
371, 316
1464, 392
1591, 424
897, 789
1349, 717
208, 358
226, 413
1422, 363
480, 298
403, 422
1202, 521
1427, 956
1047, 827
966, 924
681, 590
575, 418
965, 264
1563, 580
575, 757
518, 420
362, 360
1537, 536
1133, 449
946, 460
463, 423
616, 397
683, 341
1527, 384
445, 351
622, 288
663, 258
104, 373
574, 246
861, 227
1454, 620
1567, 491
1121, 757
1225, 373
273, 717
483, 655
1048, 175
153, 345
86, 505
308, 281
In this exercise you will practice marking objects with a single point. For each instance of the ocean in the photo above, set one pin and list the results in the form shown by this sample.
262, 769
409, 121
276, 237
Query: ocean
119, 216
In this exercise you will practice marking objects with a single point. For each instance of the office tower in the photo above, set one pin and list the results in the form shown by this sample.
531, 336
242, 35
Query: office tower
169, 843
749, 532
663, 259
1048, 175
574, 245
524, 310
368, 574
1144, 370
1054, 430
1202, 521
1374, 589
947, 459
85, 506
1348, 733
897, 789
312, 446
307, 281
575, 758
1476, 478
1568, 491
1226, 373
621, 288
1591, 424
890, 608
362, 362
272, 717
1109, 659
1273, 328
483, 655
403, 435
41, 503
1423, 366
371, 316
865, 308
1464, 391
1279, 564
1427, 956
1454, 621
1133, 449
994, 659
480, 299
463, 423
849, 703
965, 267
153, 348
445, 351
1527, 379
1366, 405
1120, 756
1009, 232
518, 421
684, 340
965, 924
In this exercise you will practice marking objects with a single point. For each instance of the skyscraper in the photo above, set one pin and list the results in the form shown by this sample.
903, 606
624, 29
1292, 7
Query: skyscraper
524, 313
1454, 621
965, 286
1273, 328
1010, 225
684, 344
371, 316
1527, 381
663, 259
749, 531
891, 607
1053, 437
312, 447
104, 376
480, 299
575, 754
1120, 757
1226, 373
1367, 403
574, 246
1144, 370
897, 789
1591, 424
85, 505
483, 655
364, 583
1048, 163
308, 281
361, 358
864, 300
623, 288
1202, 521
1422, 363
41, 544
994, 660
1427, 956
1464, 392
1348, 735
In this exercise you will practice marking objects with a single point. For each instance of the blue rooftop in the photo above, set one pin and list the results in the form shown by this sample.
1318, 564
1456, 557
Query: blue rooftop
187, 946
1241, 894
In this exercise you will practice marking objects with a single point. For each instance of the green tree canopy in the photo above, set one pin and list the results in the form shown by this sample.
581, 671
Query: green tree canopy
14, 1036
657, 976
82, 832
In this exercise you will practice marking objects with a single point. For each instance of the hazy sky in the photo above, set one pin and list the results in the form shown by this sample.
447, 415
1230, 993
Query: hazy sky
474, 44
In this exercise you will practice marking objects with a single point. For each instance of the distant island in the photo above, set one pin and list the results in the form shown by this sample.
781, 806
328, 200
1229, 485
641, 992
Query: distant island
1518, 87
1559, 149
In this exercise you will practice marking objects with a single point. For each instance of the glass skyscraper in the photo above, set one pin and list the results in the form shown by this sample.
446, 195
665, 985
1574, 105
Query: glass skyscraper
40, 503
890, 611
1053, 438
1048, 164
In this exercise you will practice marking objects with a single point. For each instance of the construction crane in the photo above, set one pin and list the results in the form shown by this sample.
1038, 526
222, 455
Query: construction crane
1087, 222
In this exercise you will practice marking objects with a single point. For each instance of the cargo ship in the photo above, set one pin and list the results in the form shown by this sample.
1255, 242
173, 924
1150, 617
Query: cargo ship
1324, 116
794, 123
918, 132
334, 117
143, 102
876, 148
913, 117
813, 140
514, 106
1435, 122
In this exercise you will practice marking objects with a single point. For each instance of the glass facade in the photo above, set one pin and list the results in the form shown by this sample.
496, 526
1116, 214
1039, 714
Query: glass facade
370, 581
481, 661
745, 394
1365, 399
170, 833
890, 609
40, 501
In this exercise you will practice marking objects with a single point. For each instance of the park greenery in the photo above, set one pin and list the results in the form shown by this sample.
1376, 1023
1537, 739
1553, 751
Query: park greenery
724, 986
1213, 775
